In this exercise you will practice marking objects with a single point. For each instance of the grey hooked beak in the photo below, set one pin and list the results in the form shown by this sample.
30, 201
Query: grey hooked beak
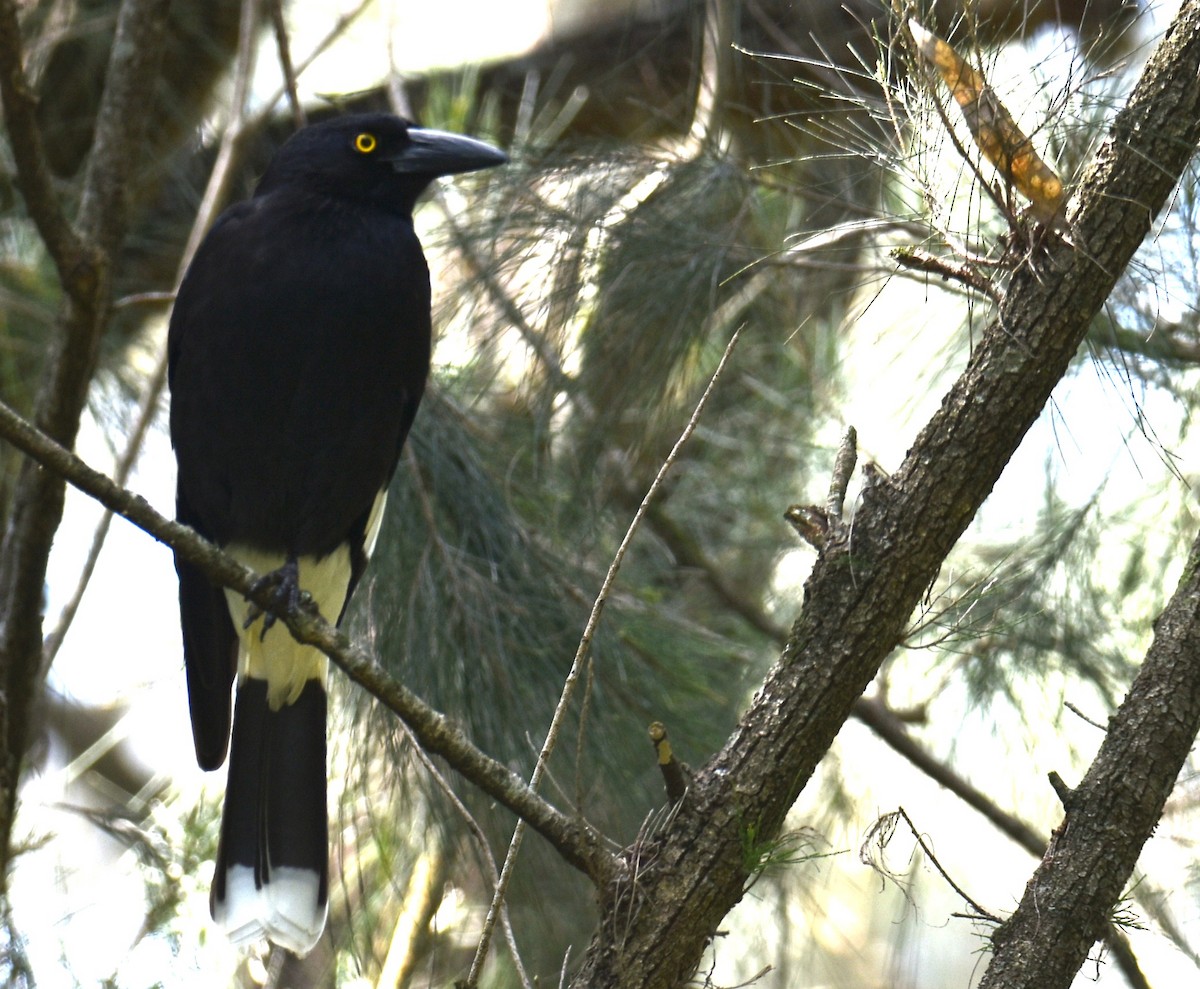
435, 152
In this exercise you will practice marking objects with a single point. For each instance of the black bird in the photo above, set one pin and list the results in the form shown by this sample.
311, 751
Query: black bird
299, 346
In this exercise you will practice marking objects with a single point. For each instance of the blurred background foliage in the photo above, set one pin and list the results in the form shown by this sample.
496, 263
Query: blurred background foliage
680, 169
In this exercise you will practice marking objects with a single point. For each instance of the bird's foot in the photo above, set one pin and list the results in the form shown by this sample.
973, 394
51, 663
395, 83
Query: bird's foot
283, 584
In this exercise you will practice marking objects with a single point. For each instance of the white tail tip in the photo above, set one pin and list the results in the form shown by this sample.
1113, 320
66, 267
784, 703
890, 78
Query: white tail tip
287, 910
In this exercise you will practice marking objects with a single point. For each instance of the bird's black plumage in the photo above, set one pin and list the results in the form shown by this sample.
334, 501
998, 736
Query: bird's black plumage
299, 346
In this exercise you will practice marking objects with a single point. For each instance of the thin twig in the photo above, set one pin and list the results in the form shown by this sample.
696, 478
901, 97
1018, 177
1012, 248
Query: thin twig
283, 44
143, 299
485, 851
335, 32
1083, 717
918, 259
979, 911
579, 664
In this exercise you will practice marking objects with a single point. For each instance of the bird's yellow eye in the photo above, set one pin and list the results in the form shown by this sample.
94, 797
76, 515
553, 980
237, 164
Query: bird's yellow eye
365, 143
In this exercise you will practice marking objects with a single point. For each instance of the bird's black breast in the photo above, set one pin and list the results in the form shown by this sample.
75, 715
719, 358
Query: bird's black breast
299, 347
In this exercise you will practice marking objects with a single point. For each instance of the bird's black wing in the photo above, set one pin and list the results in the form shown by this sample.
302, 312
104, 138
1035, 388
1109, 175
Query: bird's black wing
209, 638
210, 646
298, 352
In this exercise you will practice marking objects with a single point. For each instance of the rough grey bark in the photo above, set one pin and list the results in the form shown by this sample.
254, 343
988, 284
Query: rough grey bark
678, 884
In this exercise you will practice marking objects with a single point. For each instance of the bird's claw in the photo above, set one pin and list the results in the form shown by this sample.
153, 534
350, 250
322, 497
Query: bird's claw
283, 584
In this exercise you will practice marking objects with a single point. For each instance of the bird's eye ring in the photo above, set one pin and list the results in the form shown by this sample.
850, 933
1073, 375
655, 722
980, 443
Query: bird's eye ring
365, 143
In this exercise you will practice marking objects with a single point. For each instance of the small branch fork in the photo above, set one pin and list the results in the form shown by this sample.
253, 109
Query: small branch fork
820, 526
675, 774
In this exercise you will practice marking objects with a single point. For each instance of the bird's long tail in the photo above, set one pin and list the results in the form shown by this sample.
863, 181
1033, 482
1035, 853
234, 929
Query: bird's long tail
272, 862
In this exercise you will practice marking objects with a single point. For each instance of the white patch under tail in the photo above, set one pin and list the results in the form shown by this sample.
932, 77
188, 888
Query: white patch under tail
285, 910
276, 657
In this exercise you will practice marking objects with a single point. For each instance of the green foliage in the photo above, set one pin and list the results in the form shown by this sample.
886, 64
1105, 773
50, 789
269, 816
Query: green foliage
764, 857
1016, 612
28, 297
480, 610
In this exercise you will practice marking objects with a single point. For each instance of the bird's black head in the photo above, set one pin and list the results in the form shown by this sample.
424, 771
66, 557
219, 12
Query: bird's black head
374, 157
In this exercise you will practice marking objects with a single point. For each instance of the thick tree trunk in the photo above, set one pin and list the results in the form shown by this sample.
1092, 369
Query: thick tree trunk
678, 884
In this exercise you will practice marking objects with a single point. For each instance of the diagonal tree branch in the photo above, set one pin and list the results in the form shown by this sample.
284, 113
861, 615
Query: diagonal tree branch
83, 257
577, 842
869, 578
1113, 812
